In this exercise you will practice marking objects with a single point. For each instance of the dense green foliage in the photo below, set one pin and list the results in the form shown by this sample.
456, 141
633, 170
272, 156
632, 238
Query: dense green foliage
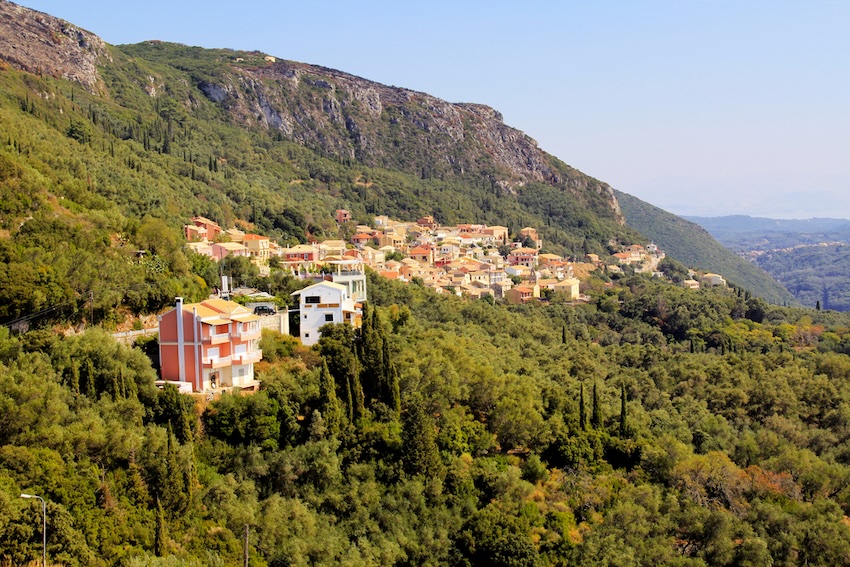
692, 245
716, 435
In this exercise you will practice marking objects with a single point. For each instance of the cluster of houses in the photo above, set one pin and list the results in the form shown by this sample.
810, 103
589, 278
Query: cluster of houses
214, 344
464, 259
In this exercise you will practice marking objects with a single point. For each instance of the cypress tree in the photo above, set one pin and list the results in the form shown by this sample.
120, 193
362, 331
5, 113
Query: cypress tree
419, 434
582, 410
159, 535
391, 394
371, 355
356, 395
75, 379
114, 388
624, 426
564, 335
90, 389
328, 401
171, 486
349, 400
596, 415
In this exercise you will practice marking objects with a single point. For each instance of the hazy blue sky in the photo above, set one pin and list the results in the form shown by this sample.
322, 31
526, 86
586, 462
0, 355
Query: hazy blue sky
697, 106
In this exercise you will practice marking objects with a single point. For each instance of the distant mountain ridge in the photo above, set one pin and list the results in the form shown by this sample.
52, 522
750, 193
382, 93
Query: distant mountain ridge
743, 233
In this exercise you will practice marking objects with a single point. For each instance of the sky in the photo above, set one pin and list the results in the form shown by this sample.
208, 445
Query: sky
700, 107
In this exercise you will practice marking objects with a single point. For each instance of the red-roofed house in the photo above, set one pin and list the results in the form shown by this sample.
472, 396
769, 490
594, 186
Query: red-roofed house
258, 247
423, 254
522, 293
209, 345
361, 239
203, 228
523, 257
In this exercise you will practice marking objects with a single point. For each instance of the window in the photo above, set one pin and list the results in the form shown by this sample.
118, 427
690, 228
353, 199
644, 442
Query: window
312, 299
329, 317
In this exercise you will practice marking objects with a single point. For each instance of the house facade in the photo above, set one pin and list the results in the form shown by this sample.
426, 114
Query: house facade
523, 257
324, 303
209, 345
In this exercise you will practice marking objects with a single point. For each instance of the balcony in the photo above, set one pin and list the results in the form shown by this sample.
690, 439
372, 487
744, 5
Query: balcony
247, 357
217, 339
249, 334
216, 361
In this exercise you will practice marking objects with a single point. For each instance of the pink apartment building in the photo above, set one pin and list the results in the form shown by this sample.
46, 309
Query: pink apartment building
209, 345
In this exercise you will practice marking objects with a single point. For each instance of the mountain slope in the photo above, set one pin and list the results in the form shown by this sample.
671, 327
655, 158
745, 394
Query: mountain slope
692, 245
244, 110
106, 151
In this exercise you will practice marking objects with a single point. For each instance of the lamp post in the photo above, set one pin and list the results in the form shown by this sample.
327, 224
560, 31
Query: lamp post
43, 526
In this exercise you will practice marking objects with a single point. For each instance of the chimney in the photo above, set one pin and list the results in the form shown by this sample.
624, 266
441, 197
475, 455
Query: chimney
179, 301
225, 287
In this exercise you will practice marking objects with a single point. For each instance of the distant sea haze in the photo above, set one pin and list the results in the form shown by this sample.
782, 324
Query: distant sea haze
793, 198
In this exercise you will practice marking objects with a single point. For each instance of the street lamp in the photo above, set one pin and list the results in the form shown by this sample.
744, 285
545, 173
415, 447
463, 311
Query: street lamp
43, 526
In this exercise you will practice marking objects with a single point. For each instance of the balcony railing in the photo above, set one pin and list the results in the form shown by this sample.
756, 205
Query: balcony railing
249, 334
217, 339
216, 361
247, 357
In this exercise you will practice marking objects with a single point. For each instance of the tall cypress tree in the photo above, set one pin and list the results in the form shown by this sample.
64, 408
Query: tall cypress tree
596, 415
172, 484
391, 394
420, 452
159, 547
582, 410
75, 379
357, 396
90, 389
624, 426
328, 401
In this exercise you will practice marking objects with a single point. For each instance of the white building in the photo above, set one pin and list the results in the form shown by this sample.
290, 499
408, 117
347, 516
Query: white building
352, 275
323, 303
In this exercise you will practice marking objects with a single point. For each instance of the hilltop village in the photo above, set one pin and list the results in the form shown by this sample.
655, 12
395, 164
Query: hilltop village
473, 260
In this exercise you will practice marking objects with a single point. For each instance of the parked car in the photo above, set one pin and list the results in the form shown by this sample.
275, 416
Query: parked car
264, 310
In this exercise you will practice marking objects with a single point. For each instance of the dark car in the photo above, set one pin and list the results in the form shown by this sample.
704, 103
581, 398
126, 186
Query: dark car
264, 310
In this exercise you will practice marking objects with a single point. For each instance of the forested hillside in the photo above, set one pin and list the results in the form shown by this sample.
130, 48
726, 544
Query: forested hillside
656, 425
692, 245
816, 275
808, 257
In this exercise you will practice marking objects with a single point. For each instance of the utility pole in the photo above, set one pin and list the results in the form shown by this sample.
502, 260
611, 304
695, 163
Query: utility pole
91, 307
44, 527
246, 545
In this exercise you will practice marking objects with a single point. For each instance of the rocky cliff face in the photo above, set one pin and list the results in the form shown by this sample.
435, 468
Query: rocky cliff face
44, 45
334, 112
383, 126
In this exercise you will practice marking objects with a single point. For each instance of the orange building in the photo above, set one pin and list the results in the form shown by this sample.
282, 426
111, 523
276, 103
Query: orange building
209, 345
